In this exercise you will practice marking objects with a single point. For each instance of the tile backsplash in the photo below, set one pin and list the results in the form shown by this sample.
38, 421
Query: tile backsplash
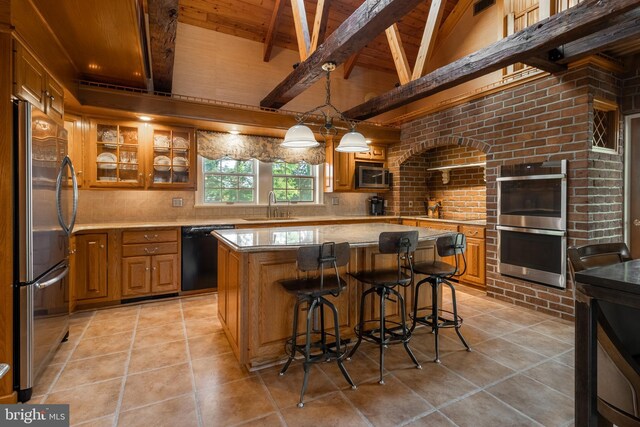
105, 206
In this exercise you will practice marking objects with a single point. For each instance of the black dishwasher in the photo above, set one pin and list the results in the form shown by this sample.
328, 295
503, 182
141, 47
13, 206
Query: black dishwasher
200, 257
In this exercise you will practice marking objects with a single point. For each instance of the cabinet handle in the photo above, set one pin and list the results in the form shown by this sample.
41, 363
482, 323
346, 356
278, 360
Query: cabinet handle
155, 236
147, 251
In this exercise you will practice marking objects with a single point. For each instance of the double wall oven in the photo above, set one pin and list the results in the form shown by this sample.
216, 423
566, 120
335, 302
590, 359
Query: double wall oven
532, 222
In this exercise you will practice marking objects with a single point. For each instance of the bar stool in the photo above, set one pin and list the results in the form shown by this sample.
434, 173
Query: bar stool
383, 283
312, 291
439, 272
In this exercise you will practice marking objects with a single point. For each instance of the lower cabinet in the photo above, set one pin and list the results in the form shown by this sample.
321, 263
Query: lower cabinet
91, 275
150, 262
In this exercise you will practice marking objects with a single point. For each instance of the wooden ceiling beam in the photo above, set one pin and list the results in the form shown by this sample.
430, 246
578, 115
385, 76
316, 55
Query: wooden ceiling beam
428, 37
302, 28
350, 37
399, 55
163, 24
349, 64
273, 29
572, 24
320, 24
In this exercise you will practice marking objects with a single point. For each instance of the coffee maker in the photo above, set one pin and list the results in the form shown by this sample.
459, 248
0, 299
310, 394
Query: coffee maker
377, 205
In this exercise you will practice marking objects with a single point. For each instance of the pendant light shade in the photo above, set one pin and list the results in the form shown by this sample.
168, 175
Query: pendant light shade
299, 136
353, 142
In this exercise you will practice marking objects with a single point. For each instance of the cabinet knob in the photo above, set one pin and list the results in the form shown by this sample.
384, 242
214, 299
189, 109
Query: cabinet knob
154, 268
101, 246
636, 222
52, 98
146, 269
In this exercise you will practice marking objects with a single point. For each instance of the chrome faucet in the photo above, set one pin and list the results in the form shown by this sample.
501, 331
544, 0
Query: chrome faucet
272, 199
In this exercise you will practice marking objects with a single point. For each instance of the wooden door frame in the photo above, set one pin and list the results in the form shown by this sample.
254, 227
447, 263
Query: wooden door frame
627, 176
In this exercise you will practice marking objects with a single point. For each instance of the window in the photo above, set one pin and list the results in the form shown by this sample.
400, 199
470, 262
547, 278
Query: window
293, 182
229, 180
605, 126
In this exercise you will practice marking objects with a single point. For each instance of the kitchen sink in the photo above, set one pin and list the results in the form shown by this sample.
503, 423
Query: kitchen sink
264, 218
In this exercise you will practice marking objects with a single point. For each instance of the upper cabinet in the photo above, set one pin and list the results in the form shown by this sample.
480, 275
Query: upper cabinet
32, 83
173, 159
376, 153
134, 155
340, 168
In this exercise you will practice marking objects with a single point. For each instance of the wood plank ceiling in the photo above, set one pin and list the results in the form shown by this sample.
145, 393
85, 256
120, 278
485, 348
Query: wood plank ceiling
250, 19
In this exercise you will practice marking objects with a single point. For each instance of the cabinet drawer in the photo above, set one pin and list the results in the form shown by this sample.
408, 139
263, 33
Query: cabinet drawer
150, 249
438, 225
148, 236
472, 231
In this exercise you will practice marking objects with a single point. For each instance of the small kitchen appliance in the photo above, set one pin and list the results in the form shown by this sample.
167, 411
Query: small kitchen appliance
377, 206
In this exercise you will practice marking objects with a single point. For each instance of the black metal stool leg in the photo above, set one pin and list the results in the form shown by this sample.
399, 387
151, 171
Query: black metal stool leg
455, 315
360, 323
292, 355
405, 332
336, 323
435, 320
307, 353
415, 305
382, 333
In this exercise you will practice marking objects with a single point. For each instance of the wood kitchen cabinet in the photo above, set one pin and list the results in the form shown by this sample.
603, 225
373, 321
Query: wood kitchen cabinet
376, 153
447, 226
150, 262
172, 163
475, 255
32, 83
91, 273
340, 167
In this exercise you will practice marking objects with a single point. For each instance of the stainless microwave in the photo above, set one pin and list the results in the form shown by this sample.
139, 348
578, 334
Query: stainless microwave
372, 176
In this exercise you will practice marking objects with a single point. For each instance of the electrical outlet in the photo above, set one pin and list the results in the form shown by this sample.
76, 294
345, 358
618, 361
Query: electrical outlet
410, 204
385, 203
177, 202
335, 201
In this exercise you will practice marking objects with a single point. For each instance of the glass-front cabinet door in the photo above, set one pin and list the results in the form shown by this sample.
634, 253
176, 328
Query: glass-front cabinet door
173, 158
116, 154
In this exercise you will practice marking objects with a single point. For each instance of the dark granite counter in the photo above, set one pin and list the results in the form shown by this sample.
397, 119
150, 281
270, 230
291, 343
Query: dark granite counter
623, 277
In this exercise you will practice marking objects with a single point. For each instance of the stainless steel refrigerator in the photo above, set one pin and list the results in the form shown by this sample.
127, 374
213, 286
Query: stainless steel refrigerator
46, 205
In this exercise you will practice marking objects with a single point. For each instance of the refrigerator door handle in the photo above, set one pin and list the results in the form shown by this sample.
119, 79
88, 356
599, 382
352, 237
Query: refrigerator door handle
55, 279
4, 368
67, 162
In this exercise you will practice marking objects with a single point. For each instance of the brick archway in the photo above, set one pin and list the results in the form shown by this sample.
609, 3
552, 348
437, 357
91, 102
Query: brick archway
423, 146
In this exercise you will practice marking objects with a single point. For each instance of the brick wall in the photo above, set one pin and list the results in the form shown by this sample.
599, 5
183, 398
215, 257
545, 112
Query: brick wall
546, 119
630, 103
463, 197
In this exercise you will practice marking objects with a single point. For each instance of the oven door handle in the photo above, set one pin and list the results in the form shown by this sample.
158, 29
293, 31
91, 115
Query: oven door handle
532, 230
532, 177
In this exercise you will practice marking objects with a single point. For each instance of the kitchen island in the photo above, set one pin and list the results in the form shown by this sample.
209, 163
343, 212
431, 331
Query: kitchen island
257, 314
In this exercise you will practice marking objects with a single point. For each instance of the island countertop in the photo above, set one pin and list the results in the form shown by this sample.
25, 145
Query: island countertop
358, 235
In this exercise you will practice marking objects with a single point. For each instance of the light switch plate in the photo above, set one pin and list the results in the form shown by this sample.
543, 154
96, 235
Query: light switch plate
177, 202
335, 201
410, 203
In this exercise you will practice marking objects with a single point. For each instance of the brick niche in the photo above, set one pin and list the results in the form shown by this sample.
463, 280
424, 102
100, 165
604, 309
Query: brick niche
550, 118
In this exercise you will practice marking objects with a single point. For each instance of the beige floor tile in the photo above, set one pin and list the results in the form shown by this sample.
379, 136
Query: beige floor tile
180, 411
360, 368
116, 312
476, 367
108, 344
331, 410
85, 371
158, 356
200, 312
155, 318
534, 399
209, 345
90, 401
234, 402
153, 386
285, 389
539, 343
486, 305
213, 371
76, 330
568, 358
205, 326
173, 304
103, 327
81, 317
62, 353
424, 341
520, 316
395, 356
556, 329
272, 420
46, 379
211, 298
484, 410
471, 334
492, 324
435, 383
434, 419
158, 335
98, 422
387, 405
509, 354
556, 375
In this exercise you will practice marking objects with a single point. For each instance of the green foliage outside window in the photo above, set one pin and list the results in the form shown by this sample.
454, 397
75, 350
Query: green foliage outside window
228, 180
293, 182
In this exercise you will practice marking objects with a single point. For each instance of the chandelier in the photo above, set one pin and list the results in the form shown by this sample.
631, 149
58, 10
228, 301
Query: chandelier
300, 136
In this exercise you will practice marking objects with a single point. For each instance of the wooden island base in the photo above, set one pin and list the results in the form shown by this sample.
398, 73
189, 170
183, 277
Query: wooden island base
257, 314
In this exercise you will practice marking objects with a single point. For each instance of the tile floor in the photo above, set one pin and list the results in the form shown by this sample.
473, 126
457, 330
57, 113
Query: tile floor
169, 364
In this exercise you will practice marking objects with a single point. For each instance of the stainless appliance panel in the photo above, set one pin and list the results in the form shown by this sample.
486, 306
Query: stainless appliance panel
43, 243
372, 177
533, 254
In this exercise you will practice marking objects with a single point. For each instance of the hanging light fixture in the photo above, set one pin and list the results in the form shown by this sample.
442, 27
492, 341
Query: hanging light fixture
300, 135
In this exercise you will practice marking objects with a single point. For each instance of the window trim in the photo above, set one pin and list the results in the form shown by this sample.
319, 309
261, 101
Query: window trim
608, 107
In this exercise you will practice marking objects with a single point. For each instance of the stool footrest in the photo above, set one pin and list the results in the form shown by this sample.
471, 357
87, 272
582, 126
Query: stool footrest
393, 334
450, 321
319, 351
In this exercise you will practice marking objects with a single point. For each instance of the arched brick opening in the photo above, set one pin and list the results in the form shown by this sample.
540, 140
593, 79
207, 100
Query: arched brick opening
404, 152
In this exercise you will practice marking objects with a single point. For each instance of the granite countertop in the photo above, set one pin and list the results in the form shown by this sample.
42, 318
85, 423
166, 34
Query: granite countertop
225, 221
358, 235
622, 277
453, 221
